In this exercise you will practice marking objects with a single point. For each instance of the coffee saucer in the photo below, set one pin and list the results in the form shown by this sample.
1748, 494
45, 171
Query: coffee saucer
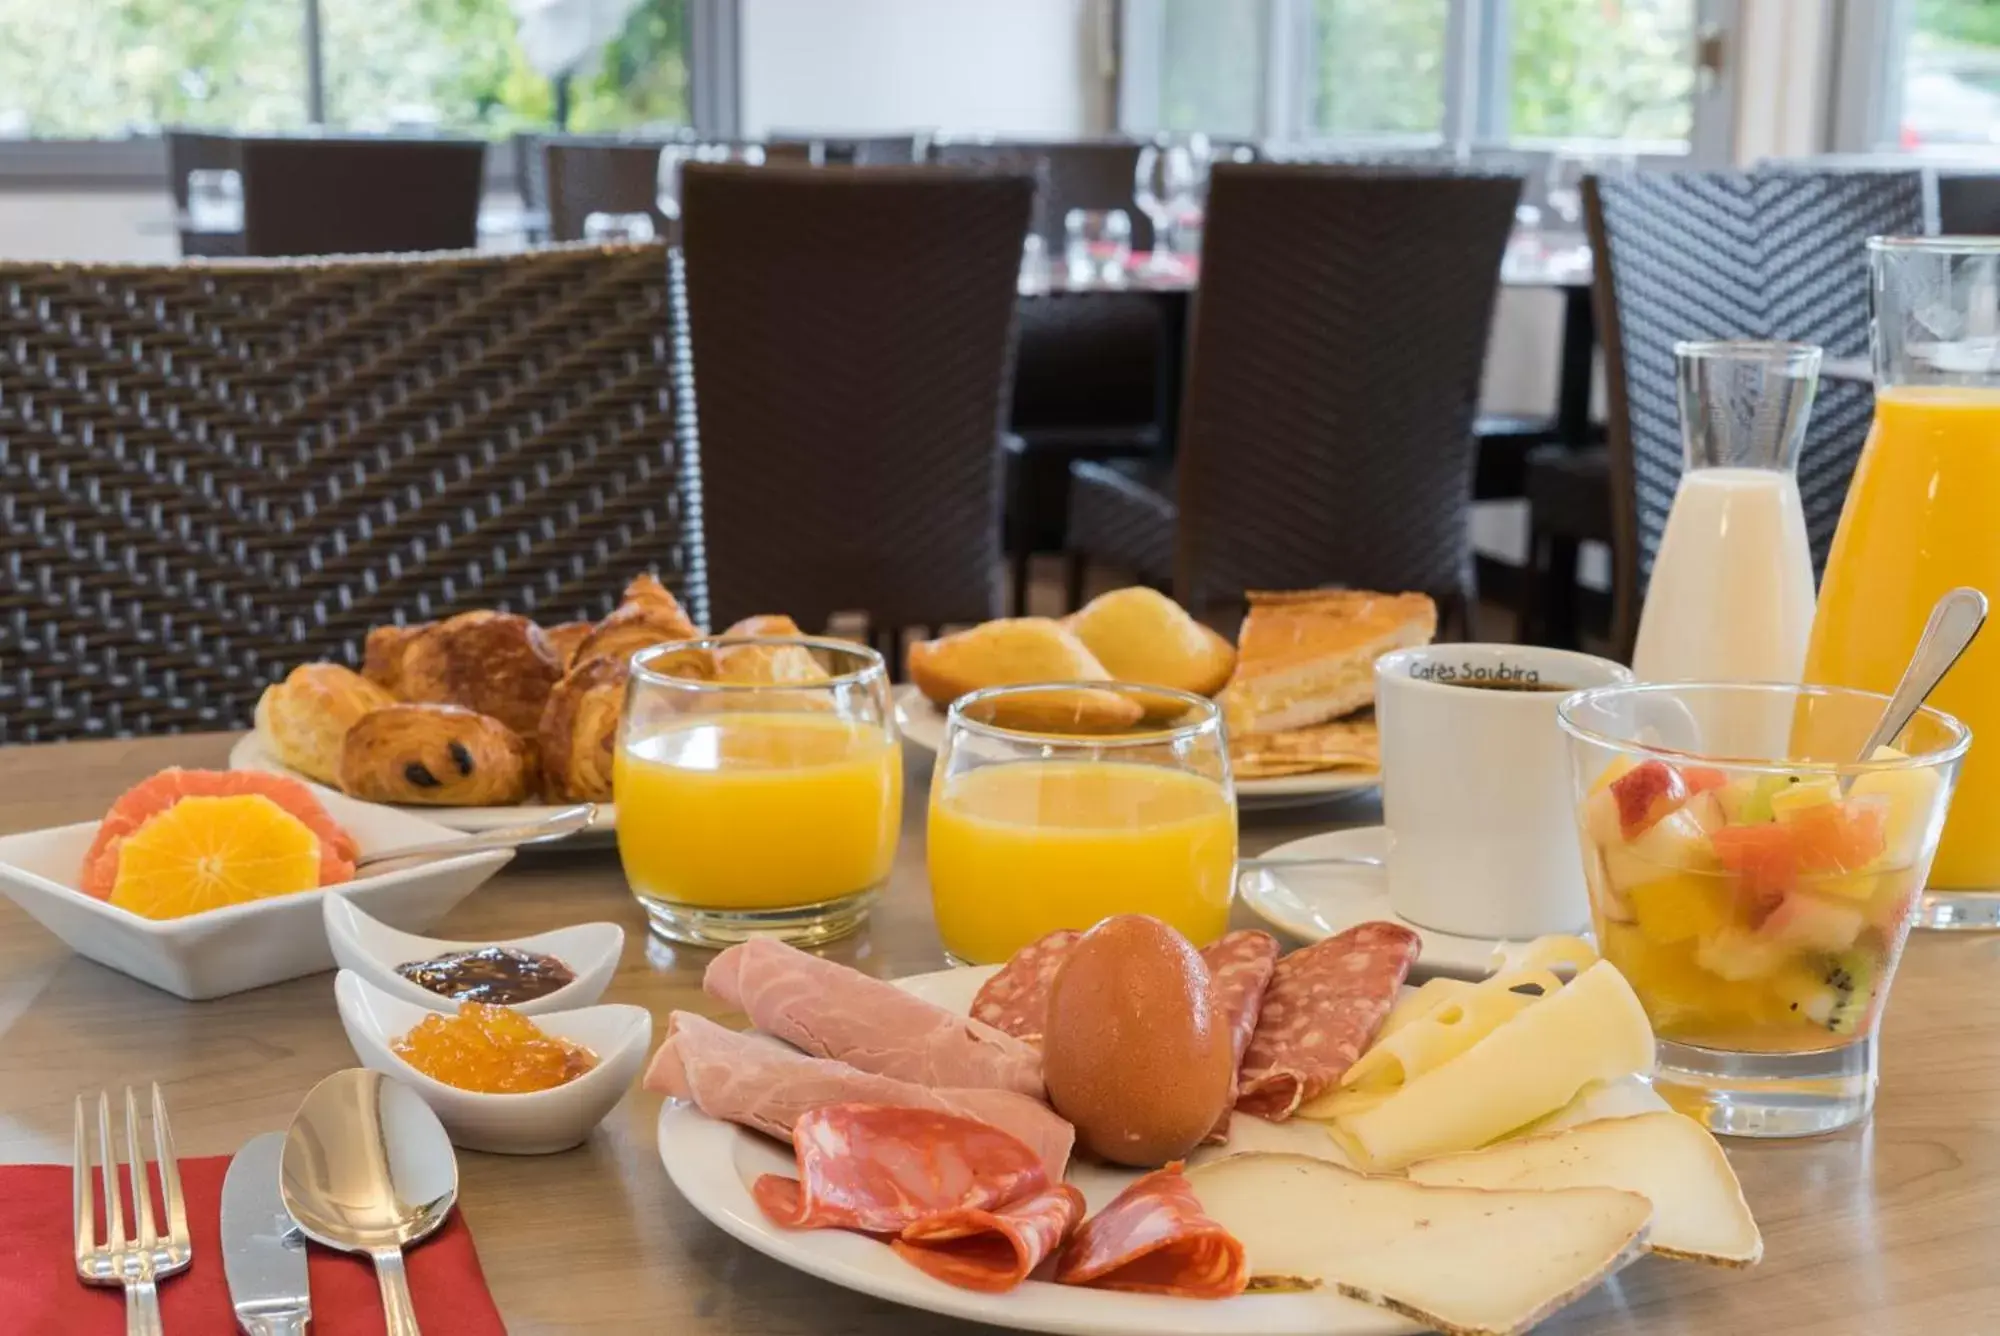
1312, 903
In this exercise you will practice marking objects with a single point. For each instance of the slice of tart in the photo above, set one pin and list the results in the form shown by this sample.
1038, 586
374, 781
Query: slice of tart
1306, 657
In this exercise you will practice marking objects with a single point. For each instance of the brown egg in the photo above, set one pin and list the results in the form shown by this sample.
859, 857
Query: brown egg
1134, 1053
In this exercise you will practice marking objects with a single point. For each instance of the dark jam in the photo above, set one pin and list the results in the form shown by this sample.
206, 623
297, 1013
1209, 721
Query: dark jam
500, 975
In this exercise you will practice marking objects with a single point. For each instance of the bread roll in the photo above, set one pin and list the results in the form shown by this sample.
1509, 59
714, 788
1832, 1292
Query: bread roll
1016, 650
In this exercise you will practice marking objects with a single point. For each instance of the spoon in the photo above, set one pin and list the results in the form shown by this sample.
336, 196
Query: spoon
1955, 620
368, 1169
1330, 860
561, 825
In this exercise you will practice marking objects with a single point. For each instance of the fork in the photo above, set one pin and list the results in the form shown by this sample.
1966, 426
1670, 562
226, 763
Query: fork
138, 1261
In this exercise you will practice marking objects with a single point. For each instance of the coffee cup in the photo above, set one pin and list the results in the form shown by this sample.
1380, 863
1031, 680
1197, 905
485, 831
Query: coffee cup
1476, 789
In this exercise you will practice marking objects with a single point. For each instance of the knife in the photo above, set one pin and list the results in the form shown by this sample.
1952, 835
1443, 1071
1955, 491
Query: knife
263, 1253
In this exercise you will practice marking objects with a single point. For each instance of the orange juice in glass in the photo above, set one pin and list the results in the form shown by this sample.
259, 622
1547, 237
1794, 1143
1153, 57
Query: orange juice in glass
757, 808
1030, 832
1921, 519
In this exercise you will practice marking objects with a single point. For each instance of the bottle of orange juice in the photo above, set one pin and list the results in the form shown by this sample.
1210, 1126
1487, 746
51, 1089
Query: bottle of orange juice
1923, 516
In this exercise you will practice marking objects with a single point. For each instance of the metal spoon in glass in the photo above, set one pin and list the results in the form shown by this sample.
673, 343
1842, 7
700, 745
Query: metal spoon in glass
368, 1169
1955, 620
557, 826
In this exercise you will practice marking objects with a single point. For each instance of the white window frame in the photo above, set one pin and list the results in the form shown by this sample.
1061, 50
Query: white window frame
1476, 76
1865, 94
714, 109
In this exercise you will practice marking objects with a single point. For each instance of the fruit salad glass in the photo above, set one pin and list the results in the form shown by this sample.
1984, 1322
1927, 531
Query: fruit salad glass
1755, 883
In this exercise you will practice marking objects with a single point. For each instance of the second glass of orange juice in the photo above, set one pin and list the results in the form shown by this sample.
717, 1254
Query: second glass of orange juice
1035, 831
757, 808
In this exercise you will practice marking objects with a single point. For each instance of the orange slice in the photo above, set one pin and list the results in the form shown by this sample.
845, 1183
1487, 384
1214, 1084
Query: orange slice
149, 798
209, 853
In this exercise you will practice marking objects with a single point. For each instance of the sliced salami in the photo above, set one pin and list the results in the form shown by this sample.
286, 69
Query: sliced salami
1017, 998
878, 1168
1154, 1239
1240, 964
1320, 1013
992, 1250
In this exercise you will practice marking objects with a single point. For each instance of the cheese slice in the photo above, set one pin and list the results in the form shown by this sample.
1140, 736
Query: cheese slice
1525, 1068
1668, 1158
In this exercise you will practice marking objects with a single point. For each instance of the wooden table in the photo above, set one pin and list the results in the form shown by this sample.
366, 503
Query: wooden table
1888, 1228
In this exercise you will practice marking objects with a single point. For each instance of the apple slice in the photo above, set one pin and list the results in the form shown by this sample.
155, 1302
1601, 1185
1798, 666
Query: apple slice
1645, 794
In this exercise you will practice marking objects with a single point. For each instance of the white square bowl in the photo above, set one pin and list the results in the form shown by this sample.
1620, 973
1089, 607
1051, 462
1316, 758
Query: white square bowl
232, 950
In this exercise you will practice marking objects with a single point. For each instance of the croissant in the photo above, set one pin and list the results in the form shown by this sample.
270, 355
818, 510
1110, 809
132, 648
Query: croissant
1022, 649
494, 663
435, 756
580, 729
766, 663
382, 654
649, 615
306, 717
565, 637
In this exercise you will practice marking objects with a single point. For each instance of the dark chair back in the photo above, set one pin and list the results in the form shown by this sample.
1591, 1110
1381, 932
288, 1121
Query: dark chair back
1334, 364
1968, 204
824, 150
587, 178
1730, 255
360, 196
1071, 174
246, 467
849, 334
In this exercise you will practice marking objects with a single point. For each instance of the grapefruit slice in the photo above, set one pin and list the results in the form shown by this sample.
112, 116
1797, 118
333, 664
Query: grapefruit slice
210, 853
149, 798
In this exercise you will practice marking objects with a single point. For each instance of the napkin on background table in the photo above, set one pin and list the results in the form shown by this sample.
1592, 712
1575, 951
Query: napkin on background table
39, 1291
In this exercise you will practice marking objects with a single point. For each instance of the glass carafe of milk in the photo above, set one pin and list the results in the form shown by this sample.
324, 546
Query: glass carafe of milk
1731, 598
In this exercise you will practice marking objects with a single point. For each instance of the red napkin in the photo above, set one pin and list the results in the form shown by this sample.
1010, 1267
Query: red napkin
39, 1291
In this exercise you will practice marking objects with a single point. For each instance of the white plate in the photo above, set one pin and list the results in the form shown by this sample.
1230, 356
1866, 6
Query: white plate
923, 723
373, 950
1312, 903
533, 1124
713, 1164
245, 946
254, 752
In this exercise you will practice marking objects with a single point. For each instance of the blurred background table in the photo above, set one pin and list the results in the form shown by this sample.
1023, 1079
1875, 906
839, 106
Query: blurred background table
1888, 1228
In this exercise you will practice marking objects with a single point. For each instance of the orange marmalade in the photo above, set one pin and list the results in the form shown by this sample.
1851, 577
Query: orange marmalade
492, 1050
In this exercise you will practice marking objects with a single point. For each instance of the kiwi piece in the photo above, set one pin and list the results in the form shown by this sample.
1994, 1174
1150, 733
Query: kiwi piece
1829, 991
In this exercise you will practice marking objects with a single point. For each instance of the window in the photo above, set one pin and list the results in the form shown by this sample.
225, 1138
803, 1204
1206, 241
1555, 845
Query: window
1949, 77
242, 64
1443, 71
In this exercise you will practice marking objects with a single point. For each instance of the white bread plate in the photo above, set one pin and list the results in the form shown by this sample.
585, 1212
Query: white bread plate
539, 1123
253, 751
714, 1163
232, 950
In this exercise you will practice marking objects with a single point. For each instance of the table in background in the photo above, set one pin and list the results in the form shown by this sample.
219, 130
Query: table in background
1884, 1229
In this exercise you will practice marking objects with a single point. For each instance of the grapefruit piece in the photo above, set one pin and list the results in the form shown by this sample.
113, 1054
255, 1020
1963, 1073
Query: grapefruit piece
149, 798
210, 853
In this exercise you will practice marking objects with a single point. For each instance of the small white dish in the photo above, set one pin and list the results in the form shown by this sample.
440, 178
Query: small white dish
248, 946
373, 950
534, 1124
254, 752
922, 723
1313, 903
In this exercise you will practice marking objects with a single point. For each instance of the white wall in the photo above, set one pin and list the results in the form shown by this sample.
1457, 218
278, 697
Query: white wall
87, 225
1026, 68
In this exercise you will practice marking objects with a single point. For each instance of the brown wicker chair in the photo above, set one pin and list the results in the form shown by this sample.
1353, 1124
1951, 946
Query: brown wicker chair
1336, 349
360, 196
585, 178
212, 472
849, 335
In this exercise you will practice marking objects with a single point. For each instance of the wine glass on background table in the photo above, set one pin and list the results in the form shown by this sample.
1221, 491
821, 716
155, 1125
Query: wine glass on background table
1032, 831
765, 802
1163, 180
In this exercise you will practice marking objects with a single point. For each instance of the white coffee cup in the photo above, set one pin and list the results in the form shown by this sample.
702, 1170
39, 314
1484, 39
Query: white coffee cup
1476, 788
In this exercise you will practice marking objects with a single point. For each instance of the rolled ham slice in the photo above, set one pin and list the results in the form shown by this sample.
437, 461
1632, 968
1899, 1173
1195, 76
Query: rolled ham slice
754, 1080
835, 1012
1320, 1013
1240, 965
959, 1199
1154, 1239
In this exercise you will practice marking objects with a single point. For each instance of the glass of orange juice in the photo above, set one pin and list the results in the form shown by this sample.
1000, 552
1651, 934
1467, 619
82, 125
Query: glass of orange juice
1919, 520
1031, 831
756, 807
